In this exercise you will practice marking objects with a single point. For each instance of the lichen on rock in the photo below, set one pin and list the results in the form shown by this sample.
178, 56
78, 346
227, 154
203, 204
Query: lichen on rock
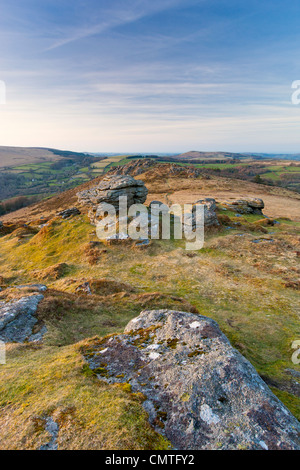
17, 318
200, 393
109, 190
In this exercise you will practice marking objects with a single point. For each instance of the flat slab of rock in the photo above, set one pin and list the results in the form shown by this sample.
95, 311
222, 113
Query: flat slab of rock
67, 213
245, 206
199, 391
17, 319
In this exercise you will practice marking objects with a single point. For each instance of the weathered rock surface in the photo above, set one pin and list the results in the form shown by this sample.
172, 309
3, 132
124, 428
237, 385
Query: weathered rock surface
67, 213
134, 168
110, 189
199, 391
53, 428
17, 319
210, 216
155, 169
245, 206
155, 204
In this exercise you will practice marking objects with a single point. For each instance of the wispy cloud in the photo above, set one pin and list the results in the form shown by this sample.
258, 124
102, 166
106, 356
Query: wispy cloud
121, 14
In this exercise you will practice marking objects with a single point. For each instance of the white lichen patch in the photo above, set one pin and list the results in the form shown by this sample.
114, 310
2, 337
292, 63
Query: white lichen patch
263, 445
195, 324
207, 415
103, 351
154, 355
153, 346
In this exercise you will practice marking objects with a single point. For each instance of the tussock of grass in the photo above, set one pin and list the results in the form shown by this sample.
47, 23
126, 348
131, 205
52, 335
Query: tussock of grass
70, 318
58, 242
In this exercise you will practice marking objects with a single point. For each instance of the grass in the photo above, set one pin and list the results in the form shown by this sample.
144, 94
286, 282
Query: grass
48, 382
71, 318
54, 243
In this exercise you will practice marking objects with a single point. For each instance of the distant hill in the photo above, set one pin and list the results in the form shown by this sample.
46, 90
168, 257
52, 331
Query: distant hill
15, 156
30, 174
195, 156
277, 156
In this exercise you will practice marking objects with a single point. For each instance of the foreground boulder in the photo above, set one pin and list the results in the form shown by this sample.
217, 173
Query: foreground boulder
109, 190
199, 392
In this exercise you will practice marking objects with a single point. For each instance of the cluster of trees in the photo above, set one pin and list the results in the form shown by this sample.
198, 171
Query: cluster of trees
16, 203
241, 172
18, 184
9, 184
291, 181
60, 164
78, 162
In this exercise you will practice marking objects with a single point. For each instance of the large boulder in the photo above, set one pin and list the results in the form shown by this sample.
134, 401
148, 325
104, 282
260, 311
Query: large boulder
210, 216
199, 392
111, 188
245, 206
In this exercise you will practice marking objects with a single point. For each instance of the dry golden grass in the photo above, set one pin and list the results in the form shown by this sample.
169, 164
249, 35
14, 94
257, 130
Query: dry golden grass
52, 273
56, 383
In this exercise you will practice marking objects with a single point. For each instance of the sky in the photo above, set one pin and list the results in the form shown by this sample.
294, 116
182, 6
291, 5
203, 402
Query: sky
150, 75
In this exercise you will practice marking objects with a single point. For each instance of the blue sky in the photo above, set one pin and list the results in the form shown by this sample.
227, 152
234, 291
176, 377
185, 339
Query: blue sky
150, 75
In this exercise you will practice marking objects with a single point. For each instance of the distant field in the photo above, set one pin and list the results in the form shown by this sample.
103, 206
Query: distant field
194, 155
102, 166
276, 172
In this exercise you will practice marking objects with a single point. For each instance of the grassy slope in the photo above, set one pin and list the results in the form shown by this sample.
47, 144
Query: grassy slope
230, 280
13, 156
238, 283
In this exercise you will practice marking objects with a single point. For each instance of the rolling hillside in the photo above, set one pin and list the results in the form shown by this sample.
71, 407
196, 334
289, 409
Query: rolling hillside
16, 156
195, 156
